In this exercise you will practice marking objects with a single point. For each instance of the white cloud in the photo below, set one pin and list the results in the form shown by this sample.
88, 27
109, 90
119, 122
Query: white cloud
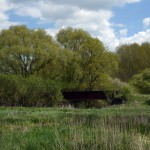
29, 11
52, 32
139, 38
117, 25
4, 18
86, 4
94, 4
123, 32
146, 22
4, 5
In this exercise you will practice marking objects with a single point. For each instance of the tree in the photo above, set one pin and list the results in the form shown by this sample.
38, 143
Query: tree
96, 63
64, 67
24, 51
133, 58
93, 59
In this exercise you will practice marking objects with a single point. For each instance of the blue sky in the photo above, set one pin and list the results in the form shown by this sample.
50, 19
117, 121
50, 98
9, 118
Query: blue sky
114, 22
132, 16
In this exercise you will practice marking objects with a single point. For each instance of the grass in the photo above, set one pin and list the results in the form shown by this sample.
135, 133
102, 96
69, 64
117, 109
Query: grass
142, 100
111, 128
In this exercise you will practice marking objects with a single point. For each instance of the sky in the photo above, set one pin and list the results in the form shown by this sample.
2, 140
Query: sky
114, 22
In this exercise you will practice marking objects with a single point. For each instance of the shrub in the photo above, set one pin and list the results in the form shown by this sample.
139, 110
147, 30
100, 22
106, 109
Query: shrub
125, 91
31, 91
142, 82
10, 89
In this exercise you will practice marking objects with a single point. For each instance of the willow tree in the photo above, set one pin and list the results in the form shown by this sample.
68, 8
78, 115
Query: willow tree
96, 64
25, 51
72, 39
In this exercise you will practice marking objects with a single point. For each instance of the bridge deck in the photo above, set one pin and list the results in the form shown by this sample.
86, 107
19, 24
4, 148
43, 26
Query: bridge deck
84, 95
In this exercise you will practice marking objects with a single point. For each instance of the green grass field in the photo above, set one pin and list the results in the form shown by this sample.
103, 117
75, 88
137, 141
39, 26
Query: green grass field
111, 128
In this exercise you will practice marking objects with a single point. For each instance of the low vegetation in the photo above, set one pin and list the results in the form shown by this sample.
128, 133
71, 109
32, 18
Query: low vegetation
114, 128
32, 91
141, 81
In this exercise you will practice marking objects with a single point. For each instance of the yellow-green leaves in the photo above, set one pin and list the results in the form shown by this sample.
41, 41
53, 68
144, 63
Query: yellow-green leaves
24, 51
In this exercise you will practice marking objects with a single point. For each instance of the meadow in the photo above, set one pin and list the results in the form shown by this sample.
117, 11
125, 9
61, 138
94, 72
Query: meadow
111, 128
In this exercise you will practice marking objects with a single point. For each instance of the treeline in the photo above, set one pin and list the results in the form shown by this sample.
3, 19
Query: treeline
134, 66
35, 68
133, 59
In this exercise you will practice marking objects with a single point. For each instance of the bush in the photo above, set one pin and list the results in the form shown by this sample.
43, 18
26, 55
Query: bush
142, 82
125, 91
31, 91
10, 89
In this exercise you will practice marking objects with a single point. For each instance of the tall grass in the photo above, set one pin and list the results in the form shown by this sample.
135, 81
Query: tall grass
67, 129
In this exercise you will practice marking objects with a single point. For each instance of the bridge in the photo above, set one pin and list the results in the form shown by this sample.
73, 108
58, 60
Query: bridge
75, 97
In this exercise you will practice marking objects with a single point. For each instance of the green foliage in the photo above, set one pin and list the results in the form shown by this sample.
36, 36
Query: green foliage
76, 61
26, 52
141, 81
125, 91
95, 64
141, 100
72, 39
133, 59
11, 89
31, 91
93, 59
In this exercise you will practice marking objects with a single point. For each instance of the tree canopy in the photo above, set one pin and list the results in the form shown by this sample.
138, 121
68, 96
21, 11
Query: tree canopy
94, 60
133, 58
24, 51
73, 60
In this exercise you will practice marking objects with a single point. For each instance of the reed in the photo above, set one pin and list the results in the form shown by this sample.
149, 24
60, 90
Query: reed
116, 128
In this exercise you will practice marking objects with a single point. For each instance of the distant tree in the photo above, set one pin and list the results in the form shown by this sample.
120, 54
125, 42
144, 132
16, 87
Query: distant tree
133, 58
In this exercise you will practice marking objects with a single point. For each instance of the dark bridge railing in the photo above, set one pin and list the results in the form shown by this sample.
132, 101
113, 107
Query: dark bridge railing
75, 97
84, 95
